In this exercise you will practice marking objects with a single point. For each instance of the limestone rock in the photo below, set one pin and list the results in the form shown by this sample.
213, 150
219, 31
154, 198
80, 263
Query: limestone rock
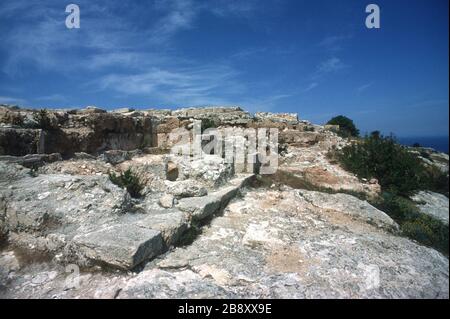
121, 246
291, 118
186, 188
117, 156
433, 204
210, 170
350, 205
166, 201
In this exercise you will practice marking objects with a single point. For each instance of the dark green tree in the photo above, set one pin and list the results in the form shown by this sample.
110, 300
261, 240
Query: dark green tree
346, 126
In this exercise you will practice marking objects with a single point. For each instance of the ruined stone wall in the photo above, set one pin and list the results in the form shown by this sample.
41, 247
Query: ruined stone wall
94, 131
91, 131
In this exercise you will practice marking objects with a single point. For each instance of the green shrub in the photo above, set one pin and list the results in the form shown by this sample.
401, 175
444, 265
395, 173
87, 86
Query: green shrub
396, 169
397, 207
428, 231
208, 123
435, 180
43, 119
346, 126
400, 174
413, 223
129, 181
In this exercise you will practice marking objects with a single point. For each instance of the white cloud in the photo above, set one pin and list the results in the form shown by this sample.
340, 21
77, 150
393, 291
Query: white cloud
52, 98
364, 87
331, 65
194, 85
334, 43
119, 53
310, 87
12, 100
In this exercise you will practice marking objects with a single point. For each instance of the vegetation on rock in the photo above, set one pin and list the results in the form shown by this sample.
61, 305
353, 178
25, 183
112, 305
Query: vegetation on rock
43, 119
346, 126
129, 181
400, 174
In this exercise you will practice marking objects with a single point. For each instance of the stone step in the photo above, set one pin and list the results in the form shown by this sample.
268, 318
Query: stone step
128, 244
122, 246
199, 208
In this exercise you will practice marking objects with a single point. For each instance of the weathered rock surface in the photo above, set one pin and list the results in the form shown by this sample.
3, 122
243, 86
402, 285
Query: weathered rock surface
310, 167
20, 142
123, 245
210, 170
430, 157
199, 230
186, 188
270, 244
231, 115
89, 130
433, 204
291, 118
343, 204
83, 218
32, 160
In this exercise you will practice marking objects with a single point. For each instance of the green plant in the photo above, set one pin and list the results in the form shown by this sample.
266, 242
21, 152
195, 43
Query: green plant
396, 169
346, 126
413, 223
129, 181
435, 180
208, 123
43, 119
428, 231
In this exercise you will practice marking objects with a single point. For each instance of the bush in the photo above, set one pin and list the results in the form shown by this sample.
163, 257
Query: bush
43, 119
129, 181
414, 224
435, 180
428, 231
208, 123
400, 174
396, 169
346, 126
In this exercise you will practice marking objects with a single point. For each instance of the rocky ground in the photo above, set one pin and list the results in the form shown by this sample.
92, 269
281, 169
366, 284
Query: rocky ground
200, 229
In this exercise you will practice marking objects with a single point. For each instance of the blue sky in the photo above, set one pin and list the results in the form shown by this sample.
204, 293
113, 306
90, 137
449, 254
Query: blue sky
316, 58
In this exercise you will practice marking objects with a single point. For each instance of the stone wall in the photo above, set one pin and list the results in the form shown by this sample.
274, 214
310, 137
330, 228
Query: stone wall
90, 130
94, 131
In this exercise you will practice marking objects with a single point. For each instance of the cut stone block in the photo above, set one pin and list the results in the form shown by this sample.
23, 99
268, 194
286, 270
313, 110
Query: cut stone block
122, 246
202, 207
171, 225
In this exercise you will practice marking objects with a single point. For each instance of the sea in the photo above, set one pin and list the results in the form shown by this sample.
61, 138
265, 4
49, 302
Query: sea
439, 143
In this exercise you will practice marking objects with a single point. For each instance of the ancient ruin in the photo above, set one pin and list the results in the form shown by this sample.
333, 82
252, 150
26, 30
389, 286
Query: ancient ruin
195, 229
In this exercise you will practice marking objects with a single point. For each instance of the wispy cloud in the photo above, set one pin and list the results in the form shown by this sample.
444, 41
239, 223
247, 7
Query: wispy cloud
52, 98
363, 87
195, 85
334, 43
331, 65
310, 87
122, 53
12, 100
